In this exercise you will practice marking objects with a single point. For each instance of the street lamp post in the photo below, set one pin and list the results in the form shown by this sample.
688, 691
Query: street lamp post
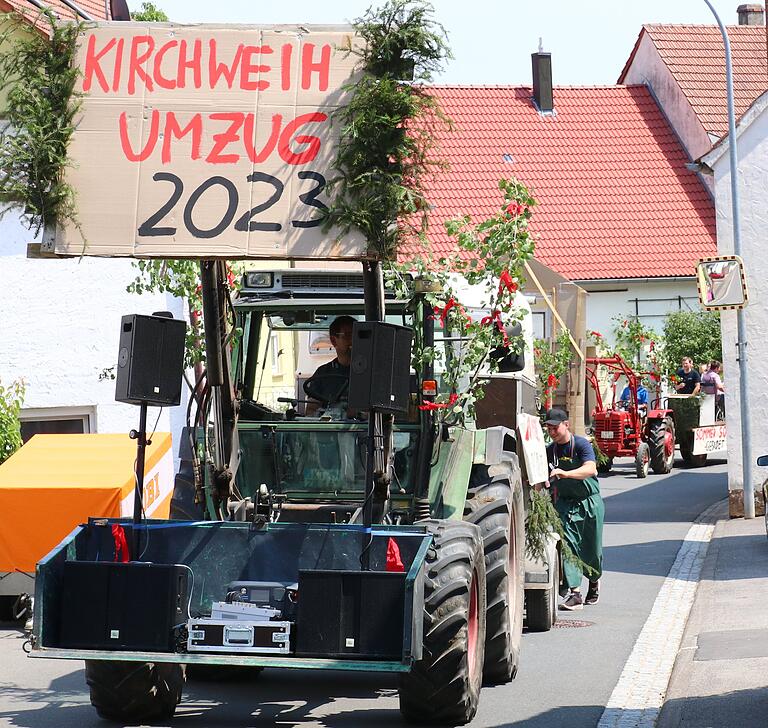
741, 328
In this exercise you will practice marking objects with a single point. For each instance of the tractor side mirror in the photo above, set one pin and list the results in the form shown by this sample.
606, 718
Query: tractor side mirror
762, 461
722, 283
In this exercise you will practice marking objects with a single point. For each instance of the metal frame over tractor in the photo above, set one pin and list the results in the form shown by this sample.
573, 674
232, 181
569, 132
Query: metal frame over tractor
629, 429
378, 540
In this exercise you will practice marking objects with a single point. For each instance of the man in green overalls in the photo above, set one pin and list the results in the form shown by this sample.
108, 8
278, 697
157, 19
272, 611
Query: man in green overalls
573, 474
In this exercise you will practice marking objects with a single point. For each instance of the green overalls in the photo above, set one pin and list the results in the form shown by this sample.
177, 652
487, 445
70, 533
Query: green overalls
581, 511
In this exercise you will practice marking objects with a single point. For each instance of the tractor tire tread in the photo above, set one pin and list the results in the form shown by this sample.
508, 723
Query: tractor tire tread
492, 501
439, 688
134, 691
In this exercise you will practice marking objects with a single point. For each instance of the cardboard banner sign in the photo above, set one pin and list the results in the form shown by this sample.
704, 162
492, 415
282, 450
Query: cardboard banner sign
534, 448
710, 440
207, 141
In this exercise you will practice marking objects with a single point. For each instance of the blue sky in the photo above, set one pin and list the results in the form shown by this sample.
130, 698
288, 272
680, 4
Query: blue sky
492, 39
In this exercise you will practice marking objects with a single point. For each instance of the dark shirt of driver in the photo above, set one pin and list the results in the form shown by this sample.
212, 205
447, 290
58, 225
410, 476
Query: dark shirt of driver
330, 382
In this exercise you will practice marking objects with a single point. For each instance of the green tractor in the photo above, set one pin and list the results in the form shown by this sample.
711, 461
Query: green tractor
362, 532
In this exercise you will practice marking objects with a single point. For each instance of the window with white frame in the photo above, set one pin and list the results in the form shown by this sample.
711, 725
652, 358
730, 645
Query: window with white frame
56, 420
539, 323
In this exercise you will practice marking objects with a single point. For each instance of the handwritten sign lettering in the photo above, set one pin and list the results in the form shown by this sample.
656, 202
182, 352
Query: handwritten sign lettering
709, 440
208, 141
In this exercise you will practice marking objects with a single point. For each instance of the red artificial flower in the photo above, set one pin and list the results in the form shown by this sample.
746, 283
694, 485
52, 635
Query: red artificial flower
451, 303
596, 334
429, 406
495, 320
652, 345
624, 323
515, 209
506, 282
552, 381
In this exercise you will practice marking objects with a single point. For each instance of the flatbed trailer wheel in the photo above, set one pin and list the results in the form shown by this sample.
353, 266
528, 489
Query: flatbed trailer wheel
686, 452
661, 440
443, 687
541, 604
134, 692
495, 504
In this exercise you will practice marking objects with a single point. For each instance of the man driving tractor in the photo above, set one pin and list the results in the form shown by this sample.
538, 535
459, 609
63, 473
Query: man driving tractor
329, 385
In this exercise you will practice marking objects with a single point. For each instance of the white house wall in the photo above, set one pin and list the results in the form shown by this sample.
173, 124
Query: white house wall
655, 300
60, 327
648, 69
753, 183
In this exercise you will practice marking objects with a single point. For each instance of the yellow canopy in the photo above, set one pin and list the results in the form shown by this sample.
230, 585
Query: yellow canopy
55, 482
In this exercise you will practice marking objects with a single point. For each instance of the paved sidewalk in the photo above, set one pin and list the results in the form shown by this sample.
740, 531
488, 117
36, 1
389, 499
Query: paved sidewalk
720, 678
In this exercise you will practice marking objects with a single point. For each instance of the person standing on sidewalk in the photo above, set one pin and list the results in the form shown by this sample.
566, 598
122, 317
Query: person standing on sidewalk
579, 505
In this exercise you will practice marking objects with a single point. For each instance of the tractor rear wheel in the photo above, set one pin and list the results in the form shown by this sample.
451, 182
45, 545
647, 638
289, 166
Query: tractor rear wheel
495, 504
444, 685
134, 692
642, 460
661, 440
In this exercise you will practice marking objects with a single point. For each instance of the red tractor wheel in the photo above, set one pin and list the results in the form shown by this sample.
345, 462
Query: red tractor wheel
661, 440
642, 460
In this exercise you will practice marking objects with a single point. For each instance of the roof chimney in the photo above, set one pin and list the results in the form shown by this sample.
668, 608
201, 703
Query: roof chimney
542, 80
751, 15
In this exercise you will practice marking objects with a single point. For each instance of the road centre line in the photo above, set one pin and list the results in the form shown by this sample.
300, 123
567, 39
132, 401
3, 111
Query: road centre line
639, 694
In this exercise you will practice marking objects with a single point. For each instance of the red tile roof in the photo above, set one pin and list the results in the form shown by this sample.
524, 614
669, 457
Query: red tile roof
696, 58
95, 8
614, 197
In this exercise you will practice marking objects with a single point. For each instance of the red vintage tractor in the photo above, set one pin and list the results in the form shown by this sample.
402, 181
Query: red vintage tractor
628, 428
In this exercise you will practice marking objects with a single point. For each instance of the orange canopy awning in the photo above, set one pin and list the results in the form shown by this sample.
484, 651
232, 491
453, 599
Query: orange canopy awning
55, 482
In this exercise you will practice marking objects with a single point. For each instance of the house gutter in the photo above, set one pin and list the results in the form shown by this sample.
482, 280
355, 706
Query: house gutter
654, 279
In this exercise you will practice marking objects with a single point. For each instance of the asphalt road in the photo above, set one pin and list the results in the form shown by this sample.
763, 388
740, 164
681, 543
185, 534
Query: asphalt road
565, 678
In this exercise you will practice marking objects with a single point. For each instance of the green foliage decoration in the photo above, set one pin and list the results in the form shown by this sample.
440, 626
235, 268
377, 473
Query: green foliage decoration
37, 72
636, 343
543, 519
181, 278
503, 244
386, 137
553, 359
149, 13
691, 333
11, 399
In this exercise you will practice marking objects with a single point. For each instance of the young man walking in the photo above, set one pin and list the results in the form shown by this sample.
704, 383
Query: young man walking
573, 474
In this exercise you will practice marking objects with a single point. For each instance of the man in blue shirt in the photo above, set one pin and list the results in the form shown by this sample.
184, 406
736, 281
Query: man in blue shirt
573, 472
642, 395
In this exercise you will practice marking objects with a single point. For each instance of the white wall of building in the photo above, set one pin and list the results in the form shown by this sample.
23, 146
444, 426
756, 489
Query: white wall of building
648, 69
651, 300
752, 147
60, 326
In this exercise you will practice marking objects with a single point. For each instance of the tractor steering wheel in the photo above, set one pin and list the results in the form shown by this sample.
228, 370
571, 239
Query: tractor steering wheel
328, 388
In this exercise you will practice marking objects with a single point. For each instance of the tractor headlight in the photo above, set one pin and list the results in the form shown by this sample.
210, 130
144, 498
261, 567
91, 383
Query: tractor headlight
258, 279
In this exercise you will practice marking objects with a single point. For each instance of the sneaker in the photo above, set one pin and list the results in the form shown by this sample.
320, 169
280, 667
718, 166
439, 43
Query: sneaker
593, 593
573, 602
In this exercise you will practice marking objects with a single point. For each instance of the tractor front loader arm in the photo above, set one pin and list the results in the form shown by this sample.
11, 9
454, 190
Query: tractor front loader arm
223, 456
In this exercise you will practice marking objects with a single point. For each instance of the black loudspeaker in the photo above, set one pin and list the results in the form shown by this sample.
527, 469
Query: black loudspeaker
379, 375
150, 365
112, 605
351, 614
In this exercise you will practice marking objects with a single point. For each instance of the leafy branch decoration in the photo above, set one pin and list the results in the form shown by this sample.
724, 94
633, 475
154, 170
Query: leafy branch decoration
37, 72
